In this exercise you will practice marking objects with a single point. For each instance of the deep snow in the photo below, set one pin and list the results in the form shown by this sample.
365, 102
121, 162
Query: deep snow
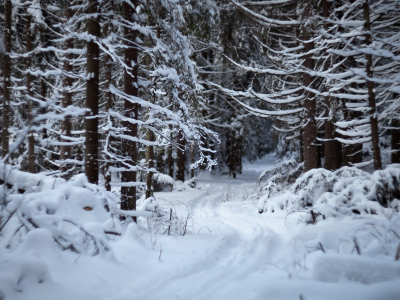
232, 252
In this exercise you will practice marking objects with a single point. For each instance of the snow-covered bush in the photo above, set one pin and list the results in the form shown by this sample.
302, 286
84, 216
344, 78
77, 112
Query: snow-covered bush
322, 193
276, 180
162, 181
165, 220
348, 191
364, 253
369, 238
79, 216
283, 173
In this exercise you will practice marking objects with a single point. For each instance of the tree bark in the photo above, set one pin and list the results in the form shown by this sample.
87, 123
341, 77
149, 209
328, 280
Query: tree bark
301, 144
310, 129
180, 160
66, 126
7, 79
371, 95
108, 99
43, 98
28, 64
192, 159
150, 163
331, 146
170, 159
233, 155
92, 98
395, 138
129, 148
395, 156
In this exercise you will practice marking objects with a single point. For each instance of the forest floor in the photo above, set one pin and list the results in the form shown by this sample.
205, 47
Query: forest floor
231, 252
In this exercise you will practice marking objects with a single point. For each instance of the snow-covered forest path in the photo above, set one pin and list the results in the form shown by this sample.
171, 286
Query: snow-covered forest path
232, 252
222, 210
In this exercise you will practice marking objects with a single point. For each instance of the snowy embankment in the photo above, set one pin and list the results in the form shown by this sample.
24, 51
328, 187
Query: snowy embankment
227, 250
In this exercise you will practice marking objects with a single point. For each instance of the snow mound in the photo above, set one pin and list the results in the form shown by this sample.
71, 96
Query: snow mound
26, 266
78, 216
348, 191
338, 268
27, 182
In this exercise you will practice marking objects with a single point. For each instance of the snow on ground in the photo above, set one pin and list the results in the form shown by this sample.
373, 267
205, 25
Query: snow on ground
232, 252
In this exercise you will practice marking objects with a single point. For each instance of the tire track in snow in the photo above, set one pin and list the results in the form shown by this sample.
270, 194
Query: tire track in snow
241, 252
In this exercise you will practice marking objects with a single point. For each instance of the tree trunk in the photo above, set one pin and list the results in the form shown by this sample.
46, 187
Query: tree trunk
233, 155
108, 99
28, 64
371, 95
1, 95
301, 144
129, 148
170, 159
395, 141
180, 160
43, 98
150, 163
331, 146
92, 98
310, 129
65, 150
5, 136
192, 159
160, 161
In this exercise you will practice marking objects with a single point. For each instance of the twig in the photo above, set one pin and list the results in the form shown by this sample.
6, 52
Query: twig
202, 228
322, 248
111, 232
78, 257
356, 245
397, 253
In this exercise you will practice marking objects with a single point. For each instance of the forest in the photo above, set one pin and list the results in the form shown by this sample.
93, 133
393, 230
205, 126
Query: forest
199, 149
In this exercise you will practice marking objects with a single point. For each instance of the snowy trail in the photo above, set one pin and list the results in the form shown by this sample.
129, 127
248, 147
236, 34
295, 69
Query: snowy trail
232, 253
250, 255
245, 244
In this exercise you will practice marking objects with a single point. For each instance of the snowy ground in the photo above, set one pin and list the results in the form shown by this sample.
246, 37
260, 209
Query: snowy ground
231, 253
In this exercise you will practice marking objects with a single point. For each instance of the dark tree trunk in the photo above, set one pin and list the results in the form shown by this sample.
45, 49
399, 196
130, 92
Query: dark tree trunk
371, 95
150, 163
28, 64
160, 160
129, 148
192, 159
1, 96
310, 129
65, 150
395, 141
233, 156
43, 98
301, 142
92, 98
108, 99
170, 159
180, 160
331, 146
5, 136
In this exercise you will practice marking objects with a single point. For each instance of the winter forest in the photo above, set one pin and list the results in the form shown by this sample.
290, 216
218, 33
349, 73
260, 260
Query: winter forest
199, 149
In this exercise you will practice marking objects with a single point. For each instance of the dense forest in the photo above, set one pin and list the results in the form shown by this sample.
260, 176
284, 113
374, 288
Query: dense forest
131, 98
137, 88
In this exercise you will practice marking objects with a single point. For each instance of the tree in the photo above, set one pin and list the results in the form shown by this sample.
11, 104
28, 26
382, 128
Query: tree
5, 134
92, 95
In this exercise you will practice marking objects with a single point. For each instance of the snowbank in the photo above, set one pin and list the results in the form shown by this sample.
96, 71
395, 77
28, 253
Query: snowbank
321, 193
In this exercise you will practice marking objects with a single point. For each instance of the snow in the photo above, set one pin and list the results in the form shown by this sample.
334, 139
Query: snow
229, 250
